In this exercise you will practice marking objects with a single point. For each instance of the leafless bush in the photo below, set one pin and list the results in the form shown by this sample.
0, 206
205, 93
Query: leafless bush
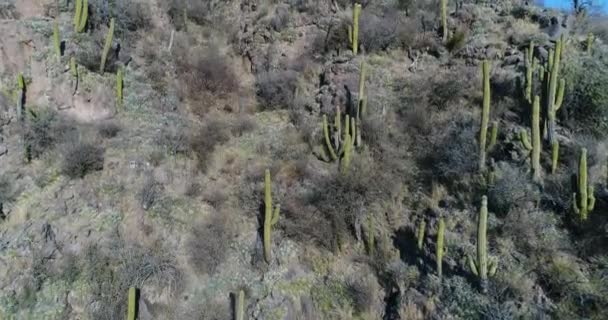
511, 189
129, 16
203, 69
44, 130
150, 191
173, 140
108, 129
361, 291
378, 32
209, 243
212, 132
242, 124
81, 158
280, 19
276, 89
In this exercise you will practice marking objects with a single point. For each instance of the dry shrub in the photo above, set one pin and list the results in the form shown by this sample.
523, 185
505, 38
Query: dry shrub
203, 69
213, 132
81, 158
44, 130
276, 89
108, 129
209, 243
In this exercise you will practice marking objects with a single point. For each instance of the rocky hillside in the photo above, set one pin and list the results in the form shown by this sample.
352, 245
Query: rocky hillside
302, 159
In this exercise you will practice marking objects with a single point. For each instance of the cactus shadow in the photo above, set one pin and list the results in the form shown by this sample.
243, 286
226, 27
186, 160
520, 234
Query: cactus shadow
62, 47
405, 241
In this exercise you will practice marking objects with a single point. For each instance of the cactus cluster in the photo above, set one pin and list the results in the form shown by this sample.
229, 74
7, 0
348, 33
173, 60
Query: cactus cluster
584, 193
342, 140
535, 146
270, 217
482, 267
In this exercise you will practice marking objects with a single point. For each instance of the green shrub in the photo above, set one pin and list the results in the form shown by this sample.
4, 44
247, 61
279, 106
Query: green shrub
586, 97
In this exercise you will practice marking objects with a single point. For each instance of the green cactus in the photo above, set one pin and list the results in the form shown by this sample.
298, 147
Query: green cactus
420, 232
555, 95
530, 66
84, 16
493, 135
585, 196
347, 154
485, 116
77, 14
21, 97
107, 46
482, 268
270, 217
350, 34
523, 137
356, 13
361, 97
554, 156
354, 131
240, 307
536, 140
119, 86
332, 153
56, 41
440, 249
590, 39
73, 67
444, 20
132, 307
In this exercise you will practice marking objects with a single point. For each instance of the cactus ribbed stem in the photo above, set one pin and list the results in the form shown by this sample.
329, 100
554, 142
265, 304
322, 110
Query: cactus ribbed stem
347, 154
332, 153
132, 307
420, 233
493, 135
444, 20
107, 46
485, 116
361, 98
554, 156
536, 139
240, 307
119, 86
523, 136
84, 16
56, 40
553, 93
440, 247
482, 267
77, 14
356, 13
270, 218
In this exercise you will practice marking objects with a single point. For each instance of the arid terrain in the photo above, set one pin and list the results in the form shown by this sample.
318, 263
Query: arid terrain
302, 160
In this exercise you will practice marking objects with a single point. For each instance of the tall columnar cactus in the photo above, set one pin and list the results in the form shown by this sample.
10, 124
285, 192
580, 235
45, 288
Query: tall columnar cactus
74, 73
348, 146
356, 13
107, 46
270, 217
554, 156
555, 94
84, 16
119, 86
420, 233
77, 14
590, 39
536, 140
332, 153
584, 196
240, 306
21, 97
493, 135
56, 40
530, 66
485, 116
481, 267
132, 307
360, 105
444, 20
440, 249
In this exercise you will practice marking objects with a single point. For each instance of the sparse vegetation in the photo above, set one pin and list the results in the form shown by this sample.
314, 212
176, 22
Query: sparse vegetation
428, 193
